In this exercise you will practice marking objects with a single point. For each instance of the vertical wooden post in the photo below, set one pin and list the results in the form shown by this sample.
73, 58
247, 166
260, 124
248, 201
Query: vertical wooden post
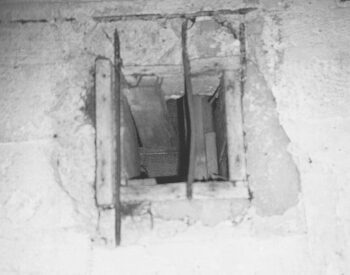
105, 170
108, 146
234, 126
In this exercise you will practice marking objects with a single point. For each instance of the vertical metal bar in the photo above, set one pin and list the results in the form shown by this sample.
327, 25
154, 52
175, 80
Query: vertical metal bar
117, 101
243, 52
243, 61
189, 97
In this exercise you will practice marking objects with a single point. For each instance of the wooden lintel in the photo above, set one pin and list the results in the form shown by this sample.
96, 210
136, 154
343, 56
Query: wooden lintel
200, 66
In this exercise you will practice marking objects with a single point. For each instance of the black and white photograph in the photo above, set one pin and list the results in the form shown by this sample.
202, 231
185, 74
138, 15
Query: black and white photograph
174, 137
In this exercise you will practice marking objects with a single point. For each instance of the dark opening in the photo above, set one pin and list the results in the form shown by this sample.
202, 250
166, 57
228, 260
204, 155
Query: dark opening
156, 136
169, 164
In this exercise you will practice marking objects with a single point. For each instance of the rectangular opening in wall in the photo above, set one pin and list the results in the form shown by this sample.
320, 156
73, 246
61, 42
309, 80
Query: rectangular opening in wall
155, 135
156, 128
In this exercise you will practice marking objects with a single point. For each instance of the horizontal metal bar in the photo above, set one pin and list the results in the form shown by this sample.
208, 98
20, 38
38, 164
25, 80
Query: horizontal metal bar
155, 16
36, 21
130, 17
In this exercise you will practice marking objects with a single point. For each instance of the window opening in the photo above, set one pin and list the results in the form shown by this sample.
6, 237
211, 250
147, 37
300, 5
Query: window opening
171, 124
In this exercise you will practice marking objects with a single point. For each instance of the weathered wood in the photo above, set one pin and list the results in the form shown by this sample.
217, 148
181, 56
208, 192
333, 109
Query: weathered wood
201, 158
177, 191
234, 120
105, 127
205, 74
129, 143
142, 182
202, 65
221, 133
210, 138
150, 114
160, 164
208, 122
211, 153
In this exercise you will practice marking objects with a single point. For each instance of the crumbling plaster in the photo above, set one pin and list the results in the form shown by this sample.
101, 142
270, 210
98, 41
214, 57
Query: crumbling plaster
303, 56
299, 51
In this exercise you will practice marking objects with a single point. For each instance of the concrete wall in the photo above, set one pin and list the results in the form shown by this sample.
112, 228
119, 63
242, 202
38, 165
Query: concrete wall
299, 76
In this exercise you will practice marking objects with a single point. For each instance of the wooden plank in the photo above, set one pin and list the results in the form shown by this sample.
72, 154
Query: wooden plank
210, 138
205, 74
211, 153
160, 164
150, 114
202, 65
177, 191
221, 132
200, 168
234, 120
130, 153
207, 110
139, 182
105, 127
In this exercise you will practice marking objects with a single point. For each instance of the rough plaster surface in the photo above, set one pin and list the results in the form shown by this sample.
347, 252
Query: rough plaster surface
48, 213
304, 58
273, 176
49, 138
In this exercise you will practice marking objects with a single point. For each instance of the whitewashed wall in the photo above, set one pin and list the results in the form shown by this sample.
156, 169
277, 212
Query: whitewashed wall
299, 52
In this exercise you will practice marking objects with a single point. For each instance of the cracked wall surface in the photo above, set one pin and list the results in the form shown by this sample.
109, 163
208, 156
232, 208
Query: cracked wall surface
299, 61
273, 176
304, 60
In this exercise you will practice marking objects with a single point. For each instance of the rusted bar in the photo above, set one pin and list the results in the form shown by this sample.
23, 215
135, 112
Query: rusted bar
155, 16
117, 101
189, 100
243, 54
243, 62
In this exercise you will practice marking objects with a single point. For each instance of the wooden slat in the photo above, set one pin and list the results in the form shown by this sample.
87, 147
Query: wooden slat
201, 158
151, 117
105, 121
205, 74
204, 65
177, 191
234, 120
211, 152
130, 154
221, 133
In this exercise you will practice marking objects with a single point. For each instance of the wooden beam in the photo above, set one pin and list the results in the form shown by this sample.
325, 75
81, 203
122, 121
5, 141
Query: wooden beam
177, 191
211, 153
200, 169
105, 125
151, 117
220, 126
129, 142
234, 120
200, 66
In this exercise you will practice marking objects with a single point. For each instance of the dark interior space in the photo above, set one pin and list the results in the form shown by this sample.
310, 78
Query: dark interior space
161, 136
